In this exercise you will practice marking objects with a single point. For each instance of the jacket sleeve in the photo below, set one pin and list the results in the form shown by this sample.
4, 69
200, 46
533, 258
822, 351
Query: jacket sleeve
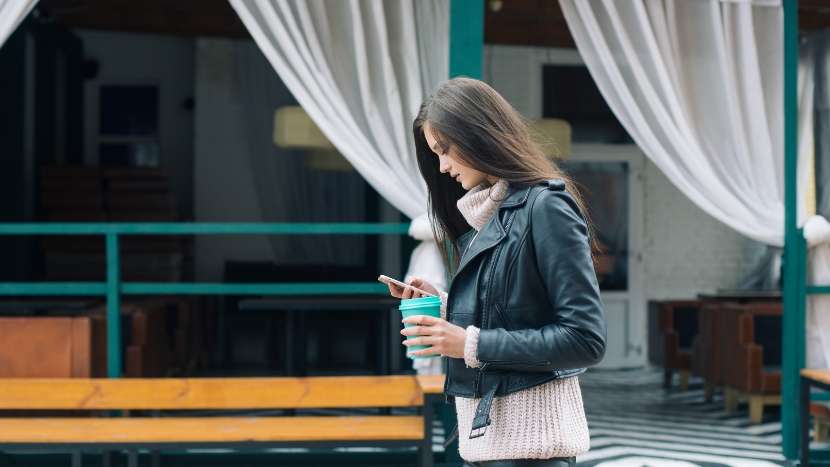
576, 336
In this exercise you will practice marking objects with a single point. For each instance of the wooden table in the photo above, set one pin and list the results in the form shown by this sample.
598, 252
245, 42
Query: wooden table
741, 295
750, 349
706, 353
297, 307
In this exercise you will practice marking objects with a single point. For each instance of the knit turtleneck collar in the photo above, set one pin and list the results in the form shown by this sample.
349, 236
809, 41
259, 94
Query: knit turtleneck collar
481, 202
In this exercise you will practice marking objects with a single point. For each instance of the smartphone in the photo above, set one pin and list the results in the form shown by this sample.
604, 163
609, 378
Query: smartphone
389, 280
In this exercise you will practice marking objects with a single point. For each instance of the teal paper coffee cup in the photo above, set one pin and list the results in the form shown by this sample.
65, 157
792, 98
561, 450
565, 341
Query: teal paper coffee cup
430, 306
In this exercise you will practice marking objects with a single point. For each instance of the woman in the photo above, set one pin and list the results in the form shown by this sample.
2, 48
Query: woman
522, 316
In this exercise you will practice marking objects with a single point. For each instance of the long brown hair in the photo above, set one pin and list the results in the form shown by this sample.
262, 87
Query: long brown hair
490, 136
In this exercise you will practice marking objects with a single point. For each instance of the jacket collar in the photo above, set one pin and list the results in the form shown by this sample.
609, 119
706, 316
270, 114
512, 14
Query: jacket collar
493, 231
516, 196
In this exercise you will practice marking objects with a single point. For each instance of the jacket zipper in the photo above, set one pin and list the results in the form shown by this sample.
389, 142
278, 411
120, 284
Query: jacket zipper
502, 315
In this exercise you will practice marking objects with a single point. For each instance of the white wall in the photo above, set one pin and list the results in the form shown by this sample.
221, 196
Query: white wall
685, 251
147, 59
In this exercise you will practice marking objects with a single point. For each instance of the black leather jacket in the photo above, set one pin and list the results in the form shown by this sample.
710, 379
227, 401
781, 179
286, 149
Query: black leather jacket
528, 282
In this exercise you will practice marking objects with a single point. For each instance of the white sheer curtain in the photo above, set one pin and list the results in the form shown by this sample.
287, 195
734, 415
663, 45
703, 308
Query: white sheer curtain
361, 69
698, 85
814, 80
12, 13
287, 190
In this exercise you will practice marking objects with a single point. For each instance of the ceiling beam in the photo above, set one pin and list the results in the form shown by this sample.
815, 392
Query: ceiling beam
516, 22
541, 22
180, 17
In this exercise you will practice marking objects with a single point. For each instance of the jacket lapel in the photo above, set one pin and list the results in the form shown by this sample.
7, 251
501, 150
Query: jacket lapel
493, 232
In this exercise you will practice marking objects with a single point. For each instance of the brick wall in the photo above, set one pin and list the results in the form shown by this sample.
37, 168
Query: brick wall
686, 250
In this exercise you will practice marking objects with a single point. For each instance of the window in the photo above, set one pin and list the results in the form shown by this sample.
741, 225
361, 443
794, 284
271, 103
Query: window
570, 93
128, 129
604, 187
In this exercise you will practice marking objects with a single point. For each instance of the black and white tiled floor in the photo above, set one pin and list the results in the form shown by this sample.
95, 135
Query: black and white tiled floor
634, 422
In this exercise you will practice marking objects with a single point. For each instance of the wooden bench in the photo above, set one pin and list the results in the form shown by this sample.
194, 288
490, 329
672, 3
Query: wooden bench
672, 328
707, 354
431, 385
433, 388
100, 434
751, 365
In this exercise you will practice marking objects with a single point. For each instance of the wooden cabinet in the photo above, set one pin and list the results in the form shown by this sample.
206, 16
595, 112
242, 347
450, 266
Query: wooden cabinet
43, 346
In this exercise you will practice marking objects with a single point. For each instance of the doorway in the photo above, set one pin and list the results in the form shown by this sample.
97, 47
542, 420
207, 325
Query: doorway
610, 177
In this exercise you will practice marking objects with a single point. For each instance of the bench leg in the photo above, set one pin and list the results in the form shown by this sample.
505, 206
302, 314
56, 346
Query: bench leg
77, 459
684, 380
756, 409
819, 430
730, 400
155, 458
132, 458
425, 455
425, 449
804, 421
106, 459
708, 391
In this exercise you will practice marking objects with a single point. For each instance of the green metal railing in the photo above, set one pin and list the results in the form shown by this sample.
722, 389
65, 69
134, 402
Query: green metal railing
113, 287
794, 255
796, 288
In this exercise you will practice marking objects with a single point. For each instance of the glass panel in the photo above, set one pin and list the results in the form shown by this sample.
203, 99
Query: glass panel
604, 185
129, 110
570, 93
132, 154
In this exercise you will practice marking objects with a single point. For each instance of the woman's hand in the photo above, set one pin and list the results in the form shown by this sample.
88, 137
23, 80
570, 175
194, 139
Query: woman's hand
445, 338
409, 292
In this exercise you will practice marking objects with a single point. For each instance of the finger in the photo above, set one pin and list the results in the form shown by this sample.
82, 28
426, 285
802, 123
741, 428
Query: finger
428, 340
425, 352
420, 284
422, 320
394, 290
417, 331
407, 293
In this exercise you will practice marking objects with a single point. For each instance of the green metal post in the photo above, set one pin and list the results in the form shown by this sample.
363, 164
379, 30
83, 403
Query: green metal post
113, 307
466, 56
466, 37
794, 247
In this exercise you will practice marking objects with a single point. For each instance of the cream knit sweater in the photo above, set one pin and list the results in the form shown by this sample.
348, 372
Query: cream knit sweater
540, 422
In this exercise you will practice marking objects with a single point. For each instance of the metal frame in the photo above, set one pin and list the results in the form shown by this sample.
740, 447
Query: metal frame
466, 38
114, 288
634, 296
77, 450
794, 293
795, 390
